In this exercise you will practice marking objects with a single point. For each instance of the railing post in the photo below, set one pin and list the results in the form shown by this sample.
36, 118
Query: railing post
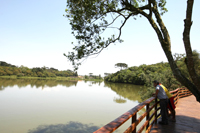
147, 117
179, 90
133, 120
156, 111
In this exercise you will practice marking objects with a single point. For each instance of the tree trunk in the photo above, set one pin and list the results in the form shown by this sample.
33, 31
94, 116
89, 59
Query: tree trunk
180, 77
165, 42
188, 49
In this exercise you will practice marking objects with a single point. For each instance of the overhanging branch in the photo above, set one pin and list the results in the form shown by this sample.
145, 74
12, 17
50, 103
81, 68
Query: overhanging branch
114, 39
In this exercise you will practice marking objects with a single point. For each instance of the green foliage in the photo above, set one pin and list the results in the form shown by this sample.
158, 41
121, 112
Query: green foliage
8, 70
86, 77
91, 76
89, 19
3, 63
145, 74
20, 74
121, 65
135, 75
181, 62
106, 74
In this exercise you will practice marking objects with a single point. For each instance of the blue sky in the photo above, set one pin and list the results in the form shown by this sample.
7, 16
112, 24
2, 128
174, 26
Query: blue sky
35, 34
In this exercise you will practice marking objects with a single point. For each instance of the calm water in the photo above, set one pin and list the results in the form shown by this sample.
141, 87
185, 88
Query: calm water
49, 106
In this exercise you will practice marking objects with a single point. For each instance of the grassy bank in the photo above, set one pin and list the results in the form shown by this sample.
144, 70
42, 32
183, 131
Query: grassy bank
93, 79
25, 77
53, 78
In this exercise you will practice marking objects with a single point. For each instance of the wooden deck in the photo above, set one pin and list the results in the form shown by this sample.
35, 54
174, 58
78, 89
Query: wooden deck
187, 118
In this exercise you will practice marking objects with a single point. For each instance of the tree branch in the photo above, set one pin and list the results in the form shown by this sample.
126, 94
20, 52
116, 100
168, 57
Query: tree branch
112, 40
161, 24
111, 22
150, 9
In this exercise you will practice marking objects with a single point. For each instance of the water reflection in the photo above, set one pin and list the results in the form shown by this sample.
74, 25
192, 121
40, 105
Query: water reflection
27, 108
94, 83
34, 83
128, 91
71, 127
119, 100
1, 88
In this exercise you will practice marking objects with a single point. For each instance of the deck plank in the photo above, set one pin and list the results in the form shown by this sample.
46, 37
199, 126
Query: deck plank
187, 118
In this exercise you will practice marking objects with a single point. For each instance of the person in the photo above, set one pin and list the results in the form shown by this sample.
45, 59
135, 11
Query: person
162, 96
170, 105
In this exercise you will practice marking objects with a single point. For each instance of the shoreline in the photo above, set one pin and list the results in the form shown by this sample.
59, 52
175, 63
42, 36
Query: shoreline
50, 78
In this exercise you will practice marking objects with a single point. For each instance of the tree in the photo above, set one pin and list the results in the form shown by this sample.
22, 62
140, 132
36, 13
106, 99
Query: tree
54, 69
86, 77
90, 74
9, 72
106, 74
88, 25
100, 76
2, 72
2, 63
75, 74
23, 69
121, 65
39, 74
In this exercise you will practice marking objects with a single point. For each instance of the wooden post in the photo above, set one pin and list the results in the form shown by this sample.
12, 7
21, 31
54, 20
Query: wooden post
133, 120
147, 117
156, 111
179, 90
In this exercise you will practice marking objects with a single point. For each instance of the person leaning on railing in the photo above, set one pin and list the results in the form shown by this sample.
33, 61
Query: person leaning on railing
162, 96
170, 105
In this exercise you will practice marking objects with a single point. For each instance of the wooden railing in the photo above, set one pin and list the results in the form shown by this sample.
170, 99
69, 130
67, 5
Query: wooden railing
151, 118
179, 93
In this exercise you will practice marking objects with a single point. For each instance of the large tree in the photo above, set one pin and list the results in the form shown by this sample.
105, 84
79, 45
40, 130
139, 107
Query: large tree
121, 65
89, 19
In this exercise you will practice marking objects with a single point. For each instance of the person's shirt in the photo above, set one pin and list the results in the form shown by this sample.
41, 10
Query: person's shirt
169, 95
161, 93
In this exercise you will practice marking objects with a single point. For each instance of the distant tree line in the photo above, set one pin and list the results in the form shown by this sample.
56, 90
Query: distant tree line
139, 75
91, 76
8, 70
145, 74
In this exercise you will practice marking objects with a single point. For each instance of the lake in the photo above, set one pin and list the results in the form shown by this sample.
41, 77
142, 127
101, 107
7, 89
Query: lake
51, 106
